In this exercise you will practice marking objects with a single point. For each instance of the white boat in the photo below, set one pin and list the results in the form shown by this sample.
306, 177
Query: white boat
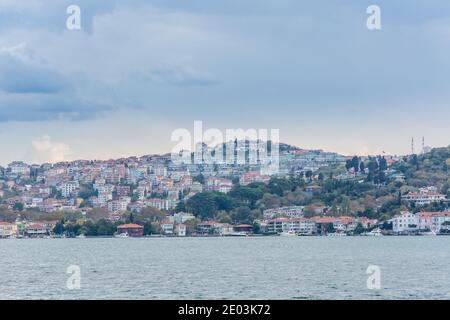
289, 233
81, 236
429, 233
375, 233
336, 234
122, 235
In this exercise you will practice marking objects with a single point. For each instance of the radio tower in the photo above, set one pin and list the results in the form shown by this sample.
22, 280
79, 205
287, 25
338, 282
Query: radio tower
423, 145
412, 145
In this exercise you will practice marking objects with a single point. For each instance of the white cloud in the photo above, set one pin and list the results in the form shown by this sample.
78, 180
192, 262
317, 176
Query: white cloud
46, 150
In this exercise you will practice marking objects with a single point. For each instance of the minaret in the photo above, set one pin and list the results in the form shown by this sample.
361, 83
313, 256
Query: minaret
412, 145
423, 145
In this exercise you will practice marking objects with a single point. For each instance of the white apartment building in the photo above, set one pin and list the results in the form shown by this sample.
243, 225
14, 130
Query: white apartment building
69, 188
290, 212
104, 188
161, 204
425, 196
119, 205
167, 228
291, 225
19, 168
405, 222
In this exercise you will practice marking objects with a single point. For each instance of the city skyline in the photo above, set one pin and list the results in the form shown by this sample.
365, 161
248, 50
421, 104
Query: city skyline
56, 148
139, 70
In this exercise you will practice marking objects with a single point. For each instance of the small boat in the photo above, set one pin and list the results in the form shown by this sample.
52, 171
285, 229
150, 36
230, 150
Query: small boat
375, 233
429, 233
122, 235
81, 236
289, 233
336, 234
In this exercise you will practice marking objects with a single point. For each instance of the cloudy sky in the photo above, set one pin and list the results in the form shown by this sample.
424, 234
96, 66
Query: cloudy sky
138, 70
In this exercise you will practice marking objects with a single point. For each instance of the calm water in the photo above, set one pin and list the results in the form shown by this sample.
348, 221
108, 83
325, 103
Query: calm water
226, 268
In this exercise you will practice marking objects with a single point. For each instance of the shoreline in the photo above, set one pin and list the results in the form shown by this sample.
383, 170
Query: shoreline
225, 236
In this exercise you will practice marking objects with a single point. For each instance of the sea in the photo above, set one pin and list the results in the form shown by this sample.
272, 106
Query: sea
283, 267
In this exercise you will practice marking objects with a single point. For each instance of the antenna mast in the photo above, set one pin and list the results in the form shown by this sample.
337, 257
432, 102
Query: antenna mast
423, 145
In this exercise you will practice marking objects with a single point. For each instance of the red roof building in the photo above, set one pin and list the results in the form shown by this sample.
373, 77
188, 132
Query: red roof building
133, 230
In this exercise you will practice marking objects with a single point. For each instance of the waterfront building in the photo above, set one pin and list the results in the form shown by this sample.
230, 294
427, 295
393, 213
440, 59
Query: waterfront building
7, 229
180, 230
133, 230
207, 227
405, 222
34, 230
167, 228
433, 221
243, 228
291, 225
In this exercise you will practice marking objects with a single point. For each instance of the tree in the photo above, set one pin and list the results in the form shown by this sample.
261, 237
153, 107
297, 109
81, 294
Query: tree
105, 228
247, 194
355, 163
191, 226
97, 213
359, 229
256, 228
202, 205
86, 191
223, 217
59, 227
151, 228
224, 202
348, 164
18, 206
7, 215
279, 186
181, 206
362, 167
308, 174
152, 214
242, 215
383, 164
329, 228
199, 178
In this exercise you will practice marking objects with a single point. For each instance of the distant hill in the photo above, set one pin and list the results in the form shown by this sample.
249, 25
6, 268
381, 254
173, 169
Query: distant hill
431, 168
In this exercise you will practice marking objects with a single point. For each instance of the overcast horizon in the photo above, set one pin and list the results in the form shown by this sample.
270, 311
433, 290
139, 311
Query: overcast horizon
138, 70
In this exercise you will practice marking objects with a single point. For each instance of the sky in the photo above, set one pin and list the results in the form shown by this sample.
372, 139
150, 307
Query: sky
138, 70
